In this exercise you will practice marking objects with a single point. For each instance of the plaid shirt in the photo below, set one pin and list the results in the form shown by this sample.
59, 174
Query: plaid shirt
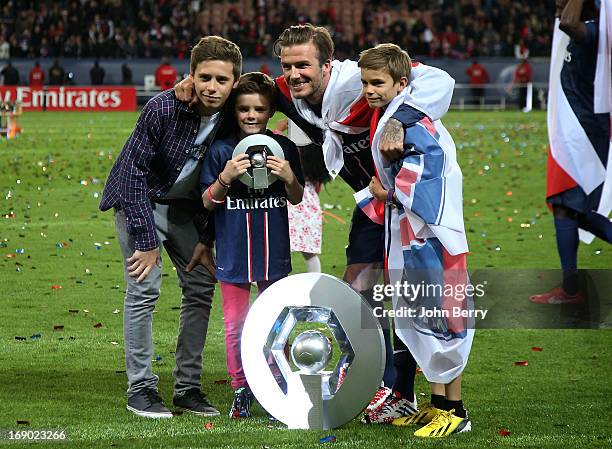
149, 164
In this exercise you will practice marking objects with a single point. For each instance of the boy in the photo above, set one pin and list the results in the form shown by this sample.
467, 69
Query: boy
424, 235
252, 227
153, 190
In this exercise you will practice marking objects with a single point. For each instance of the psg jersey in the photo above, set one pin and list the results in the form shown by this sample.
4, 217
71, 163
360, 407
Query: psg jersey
252, 227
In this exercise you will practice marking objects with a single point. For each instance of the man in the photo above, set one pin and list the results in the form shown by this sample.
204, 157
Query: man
153, 188
96, 74
522, 76
10, 75
578, 162
478, 76
324, 98
37, 76
56, 74
165, 75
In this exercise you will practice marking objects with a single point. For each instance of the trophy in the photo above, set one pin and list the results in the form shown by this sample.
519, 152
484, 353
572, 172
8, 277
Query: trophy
258, 147
311, 396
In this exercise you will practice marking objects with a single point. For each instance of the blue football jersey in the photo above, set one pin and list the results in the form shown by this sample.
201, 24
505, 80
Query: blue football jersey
252, 228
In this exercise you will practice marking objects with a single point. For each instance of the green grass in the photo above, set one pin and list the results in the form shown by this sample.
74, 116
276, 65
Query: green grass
72, 378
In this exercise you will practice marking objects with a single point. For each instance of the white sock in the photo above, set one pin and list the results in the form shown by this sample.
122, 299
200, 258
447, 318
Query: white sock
313, 265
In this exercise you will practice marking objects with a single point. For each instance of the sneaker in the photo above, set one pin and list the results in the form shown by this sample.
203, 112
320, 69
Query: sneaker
378, 400
394, 407
241, 406
425, 414
193, 401
148, 404
444, 424
557, 296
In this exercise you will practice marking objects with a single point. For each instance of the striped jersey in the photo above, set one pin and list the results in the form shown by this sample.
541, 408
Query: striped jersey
252, 228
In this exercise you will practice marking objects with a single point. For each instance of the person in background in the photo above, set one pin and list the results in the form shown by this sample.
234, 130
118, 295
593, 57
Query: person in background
126, 75
57, 75
165, 75
478, 76
37, 76
10, 75
97, 74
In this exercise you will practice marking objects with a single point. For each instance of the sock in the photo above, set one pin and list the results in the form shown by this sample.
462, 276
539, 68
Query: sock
313, 265
597, 225
438, 401
405, 369
389, 374
567, 245
457, 406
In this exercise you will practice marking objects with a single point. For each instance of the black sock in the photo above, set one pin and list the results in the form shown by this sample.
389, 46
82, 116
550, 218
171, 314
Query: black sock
438, 401
457, 406
405, 369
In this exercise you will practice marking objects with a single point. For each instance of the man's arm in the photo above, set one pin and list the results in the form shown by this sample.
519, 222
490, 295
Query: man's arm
570, 22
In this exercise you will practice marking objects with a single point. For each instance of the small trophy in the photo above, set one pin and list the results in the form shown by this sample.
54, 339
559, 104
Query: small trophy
258, 147
310, 396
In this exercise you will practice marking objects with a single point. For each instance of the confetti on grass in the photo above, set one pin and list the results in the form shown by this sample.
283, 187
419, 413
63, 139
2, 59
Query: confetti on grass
521, 363
328, 439
503, 432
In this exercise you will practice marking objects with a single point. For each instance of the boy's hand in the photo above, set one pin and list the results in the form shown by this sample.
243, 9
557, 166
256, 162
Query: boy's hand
142, 262
185, 92
235, 168
391, 145
377, 189
280, 168
203, 255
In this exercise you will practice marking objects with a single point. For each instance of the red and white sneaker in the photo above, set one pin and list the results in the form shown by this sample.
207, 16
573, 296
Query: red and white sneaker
394, 407
378, 399
557, 296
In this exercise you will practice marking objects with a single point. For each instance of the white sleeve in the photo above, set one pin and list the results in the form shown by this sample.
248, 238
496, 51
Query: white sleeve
431, 91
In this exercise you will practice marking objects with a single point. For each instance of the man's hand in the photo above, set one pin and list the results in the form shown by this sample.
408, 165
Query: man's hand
142, 262
280, 168
391, 145
202, 255
234, 168
377, 189
185, 92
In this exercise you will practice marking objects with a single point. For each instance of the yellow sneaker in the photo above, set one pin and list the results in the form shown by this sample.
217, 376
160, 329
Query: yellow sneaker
424, 415
443, 425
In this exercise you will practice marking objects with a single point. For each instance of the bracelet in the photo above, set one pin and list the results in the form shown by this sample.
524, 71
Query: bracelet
210, 197
227, 186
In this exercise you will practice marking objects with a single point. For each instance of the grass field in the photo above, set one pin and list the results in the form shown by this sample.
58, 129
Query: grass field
61, 266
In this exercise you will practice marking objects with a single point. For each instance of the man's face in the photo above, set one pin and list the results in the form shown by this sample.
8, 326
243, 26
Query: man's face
379, 88
213, 82
252, 114
306, 78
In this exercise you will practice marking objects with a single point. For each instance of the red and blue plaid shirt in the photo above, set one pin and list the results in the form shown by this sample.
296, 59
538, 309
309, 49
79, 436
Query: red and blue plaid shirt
149, 164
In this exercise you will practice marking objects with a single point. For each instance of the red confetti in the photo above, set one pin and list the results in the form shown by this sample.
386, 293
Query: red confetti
11, 255
58, 327
220, 381
521, 363
98, 325
208, 425
503, 432
537, 348
509, 193
56, 287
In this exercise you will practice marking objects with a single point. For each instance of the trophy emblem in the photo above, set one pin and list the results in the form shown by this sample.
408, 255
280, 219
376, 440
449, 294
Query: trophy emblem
310, 395
258, 147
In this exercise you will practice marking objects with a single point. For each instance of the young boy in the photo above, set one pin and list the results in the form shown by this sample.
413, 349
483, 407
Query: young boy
252, 227
424, 239
153, 188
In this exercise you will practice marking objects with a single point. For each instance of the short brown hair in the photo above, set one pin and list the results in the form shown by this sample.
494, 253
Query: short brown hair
303, 34
216, 48
387, 58
257, 83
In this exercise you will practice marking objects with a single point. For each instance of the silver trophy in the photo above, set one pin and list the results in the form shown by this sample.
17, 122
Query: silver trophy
312, 396
258, 147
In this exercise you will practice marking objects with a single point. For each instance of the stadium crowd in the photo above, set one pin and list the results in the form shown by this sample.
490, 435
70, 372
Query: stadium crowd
155, 28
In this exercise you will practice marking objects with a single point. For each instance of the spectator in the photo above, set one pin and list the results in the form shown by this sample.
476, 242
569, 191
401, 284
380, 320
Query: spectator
5, 48
97, 74
478, 76
10, 75
165, 75
37, 76
126, 75
57, 74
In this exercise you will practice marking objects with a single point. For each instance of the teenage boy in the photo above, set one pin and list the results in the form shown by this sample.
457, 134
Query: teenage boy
153, 188
252, 226
425, 236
